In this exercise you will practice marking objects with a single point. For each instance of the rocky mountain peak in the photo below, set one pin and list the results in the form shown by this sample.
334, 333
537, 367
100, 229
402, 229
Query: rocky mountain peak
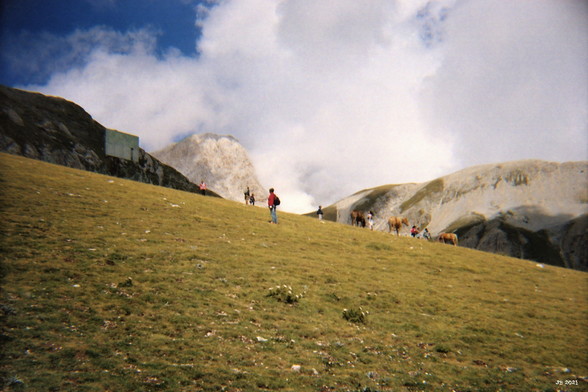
220, 160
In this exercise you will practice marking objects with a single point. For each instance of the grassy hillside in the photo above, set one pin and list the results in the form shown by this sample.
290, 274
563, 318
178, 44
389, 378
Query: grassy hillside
114, 285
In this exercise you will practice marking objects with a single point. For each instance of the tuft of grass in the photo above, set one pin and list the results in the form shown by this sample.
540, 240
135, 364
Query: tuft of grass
284, 293
109, 284
355, 315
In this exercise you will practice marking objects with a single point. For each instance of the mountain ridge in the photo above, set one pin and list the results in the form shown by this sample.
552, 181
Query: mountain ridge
529, 209
494, 207
56, 130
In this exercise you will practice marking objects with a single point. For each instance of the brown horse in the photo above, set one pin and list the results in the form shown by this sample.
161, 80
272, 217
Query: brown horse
357, 218
396, 222
448, 238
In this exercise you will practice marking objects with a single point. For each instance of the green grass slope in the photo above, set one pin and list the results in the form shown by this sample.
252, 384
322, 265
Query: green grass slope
114, 285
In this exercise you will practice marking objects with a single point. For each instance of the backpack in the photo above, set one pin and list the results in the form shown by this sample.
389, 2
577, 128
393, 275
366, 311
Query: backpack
276, 200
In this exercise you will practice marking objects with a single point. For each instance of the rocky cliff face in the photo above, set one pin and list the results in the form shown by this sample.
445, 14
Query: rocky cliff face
58, 131
221, 161
530, 209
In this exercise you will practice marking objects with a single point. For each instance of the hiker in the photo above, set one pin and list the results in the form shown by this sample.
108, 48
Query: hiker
252, 199
370, 219
247, 196
202, 187
272, 202
320, 213
426, 234
414, 232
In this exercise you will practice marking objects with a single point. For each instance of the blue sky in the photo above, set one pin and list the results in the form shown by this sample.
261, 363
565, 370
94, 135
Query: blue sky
328, 97
24, 22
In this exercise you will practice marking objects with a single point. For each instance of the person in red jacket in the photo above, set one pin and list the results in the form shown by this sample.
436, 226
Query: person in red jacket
271, 203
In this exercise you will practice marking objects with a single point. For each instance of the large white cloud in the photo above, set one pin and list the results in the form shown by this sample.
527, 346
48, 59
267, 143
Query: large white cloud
333, 97
514, 81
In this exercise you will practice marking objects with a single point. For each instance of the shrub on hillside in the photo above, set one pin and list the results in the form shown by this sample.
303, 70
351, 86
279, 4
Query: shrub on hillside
284, 293
355, 315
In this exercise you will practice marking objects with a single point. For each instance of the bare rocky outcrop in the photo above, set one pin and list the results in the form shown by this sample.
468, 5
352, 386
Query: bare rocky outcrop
529, 209
220, 160
55, 130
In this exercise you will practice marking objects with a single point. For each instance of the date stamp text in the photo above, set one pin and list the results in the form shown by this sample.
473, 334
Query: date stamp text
567, 382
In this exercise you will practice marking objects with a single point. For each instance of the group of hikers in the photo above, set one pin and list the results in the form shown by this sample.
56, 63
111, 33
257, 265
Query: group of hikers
273, 201
414, 232
249, 197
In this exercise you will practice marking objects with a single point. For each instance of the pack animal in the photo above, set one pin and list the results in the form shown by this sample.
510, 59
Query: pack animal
448, 238
357, 218
396, 223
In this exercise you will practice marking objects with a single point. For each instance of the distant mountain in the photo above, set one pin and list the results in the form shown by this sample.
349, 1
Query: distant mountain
55, 130
221, 161
529, 209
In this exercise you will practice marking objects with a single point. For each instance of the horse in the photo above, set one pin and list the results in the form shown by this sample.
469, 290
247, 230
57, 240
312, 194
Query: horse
396, 222
448, 238
357, 218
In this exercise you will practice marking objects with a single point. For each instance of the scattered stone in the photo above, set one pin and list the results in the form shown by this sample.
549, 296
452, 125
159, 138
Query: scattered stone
480, 363
14, 382
154, 381
7, 310
508, 369
107, 324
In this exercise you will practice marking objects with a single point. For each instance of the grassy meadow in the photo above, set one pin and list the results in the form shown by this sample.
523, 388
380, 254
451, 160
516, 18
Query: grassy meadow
114, 285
